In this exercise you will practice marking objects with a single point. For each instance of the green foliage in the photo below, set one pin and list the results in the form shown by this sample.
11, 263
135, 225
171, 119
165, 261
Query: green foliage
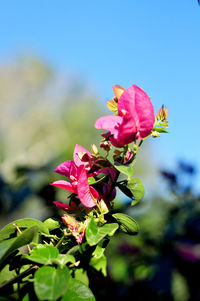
23, 224
51, 224
43, 254
137, 189
94, 233
8, 247
77, 291
126, 170
126, 223
51, 283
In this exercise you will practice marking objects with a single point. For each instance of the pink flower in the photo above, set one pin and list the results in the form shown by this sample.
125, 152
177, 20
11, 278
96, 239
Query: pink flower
135, 118
76, 171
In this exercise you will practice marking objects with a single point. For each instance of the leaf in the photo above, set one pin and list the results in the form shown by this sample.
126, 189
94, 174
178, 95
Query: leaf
123, 187
77, 291
26, 297
6, 274
81, 275
99, 264
160, 129
10, 246
91, 180
51, 224
51, 283
126, 223
22, 223
94, 233
127, 170
137, 189
63, 259
43, 254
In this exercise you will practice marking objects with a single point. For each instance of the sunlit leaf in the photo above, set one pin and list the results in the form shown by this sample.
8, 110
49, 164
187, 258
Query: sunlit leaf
126, 223
77, 291
51, 283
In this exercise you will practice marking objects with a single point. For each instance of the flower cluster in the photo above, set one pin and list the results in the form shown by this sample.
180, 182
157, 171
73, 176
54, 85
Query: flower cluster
93, 178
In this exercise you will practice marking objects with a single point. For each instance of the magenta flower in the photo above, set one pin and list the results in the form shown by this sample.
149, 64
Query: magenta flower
135, 118
76, 171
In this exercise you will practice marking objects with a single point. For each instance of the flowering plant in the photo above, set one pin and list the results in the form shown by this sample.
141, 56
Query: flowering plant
62, 254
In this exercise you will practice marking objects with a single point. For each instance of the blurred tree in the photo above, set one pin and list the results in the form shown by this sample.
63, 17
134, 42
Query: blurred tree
44, 113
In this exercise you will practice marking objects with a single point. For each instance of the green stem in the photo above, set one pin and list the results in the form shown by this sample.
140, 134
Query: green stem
60, 241
19, 277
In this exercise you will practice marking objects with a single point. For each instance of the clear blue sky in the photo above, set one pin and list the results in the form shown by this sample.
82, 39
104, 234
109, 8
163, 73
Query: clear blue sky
152, 43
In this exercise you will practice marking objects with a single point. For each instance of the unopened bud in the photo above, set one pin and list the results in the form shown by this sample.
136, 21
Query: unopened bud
106, 146
112, 105
118, 91
70, 222
162, 114
94, 149
103, 207
128, 157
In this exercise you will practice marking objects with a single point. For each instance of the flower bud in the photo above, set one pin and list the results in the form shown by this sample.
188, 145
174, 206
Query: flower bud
162, 114
112, 105
106, 146
103, 207
94, 149
70, 222
128, 157
118, 91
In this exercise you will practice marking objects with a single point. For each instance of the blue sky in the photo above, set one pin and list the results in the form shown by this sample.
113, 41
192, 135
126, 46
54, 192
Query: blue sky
154, 44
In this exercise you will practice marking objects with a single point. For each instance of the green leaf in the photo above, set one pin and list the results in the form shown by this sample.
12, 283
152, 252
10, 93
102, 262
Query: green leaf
127, 170
8, 247
51, 224
126, 223
81, 275
137, 189
63, 259
77, 291
94, 233
123, 187
99, 264
51, 283
91, 180
26, 298
6, 274
22, 224
160, 129
43, 254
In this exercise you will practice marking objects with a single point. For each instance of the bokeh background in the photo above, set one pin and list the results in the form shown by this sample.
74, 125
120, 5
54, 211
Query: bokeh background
58, 62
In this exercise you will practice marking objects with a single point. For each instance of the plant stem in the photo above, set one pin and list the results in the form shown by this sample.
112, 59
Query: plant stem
19, 277
60, 242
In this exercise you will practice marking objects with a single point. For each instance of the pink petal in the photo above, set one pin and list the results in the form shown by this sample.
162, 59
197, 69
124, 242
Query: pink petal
73, 171
77, 160
86, 194
64, 184
140, 112
108, 122
62, 206
64, 168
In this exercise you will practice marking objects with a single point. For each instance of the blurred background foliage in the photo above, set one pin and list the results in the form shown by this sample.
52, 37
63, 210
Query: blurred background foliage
44, 113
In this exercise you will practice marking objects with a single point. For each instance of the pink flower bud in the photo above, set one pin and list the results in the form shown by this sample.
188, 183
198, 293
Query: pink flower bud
128, 157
